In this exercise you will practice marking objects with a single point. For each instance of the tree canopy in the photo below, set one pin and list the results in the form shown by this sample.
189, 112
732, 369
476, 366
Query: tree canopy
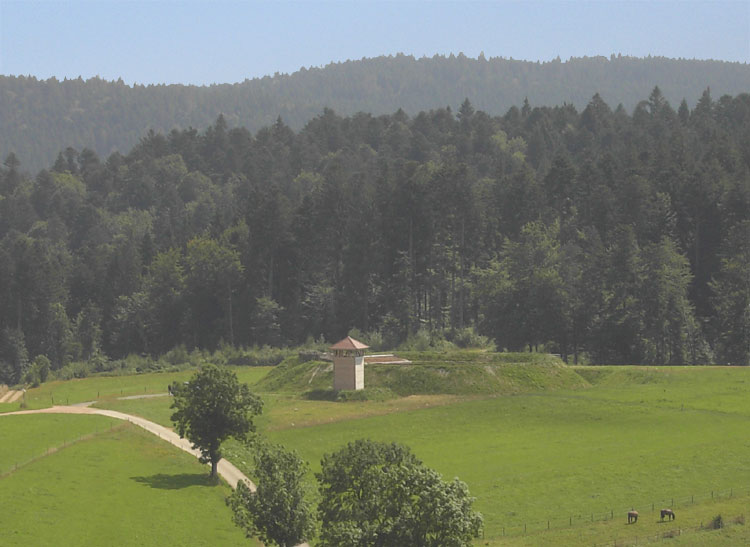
277, 512
58, 117
380, 494
211, 407
605, 235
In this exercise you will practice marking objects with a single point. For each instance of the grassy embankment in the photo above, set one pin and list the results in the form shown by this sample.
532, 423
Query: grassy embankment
118, 485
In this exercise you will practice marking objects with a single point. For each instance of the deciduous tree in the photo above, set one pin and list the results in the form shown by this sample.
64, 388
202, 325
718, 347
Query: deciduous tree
380, 494
277, 511
212, 407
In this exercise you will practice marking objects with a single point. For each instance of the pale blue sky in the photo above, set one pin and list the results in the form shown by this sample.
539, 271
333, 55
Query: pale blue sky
204, 42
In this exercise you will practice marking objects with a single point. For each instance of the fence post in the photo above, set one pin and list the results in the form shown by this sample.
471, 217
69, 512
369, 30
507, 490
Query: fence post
691, 499
571, 521
524, 527
547, 525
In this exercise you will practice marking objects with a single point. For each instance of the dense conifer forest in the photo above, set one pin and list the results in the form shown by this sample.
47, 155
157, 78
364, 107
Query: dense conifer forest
603, 234
38, 118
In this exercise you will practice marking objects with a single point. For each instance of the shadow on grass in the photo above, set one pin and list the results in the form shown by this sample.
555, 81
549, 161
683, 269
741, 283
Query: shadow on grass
320, 395
176, 482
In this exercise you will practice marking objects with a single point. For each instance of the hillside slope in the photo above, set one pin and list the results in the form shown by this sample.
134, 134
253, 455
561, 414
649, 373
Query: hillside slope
38, 119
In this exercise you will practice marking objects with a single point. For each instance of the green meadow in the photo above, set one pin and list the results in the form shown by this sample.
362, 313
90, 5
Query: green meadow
551, 459
25, 438
118, 486
110, 387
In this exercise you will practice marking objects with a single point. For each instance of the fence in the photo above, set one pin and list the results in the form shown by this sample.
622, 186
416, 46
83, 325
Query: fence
558, 523
52, 449
129, 392
651, 538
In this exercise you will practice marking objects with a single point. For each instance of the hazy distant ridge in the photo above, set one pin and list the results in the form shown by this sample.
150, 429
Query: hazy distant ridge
40, 118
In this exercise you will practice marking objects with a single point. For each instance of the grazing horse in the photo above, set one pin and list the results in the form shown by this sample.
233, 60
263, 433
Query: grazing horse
667, 513
632, 517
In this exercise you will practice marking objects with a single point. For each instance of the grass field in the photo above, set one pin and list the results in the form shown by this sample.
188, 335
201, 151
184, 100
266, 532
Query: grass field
636, 436
25, 438
528, 459
111, 387
119, 487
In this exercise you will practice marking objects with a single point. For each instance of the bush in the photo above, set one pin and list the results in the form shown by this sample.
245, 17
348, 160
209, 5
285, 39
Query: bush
177, 356
78, 369
425, 339
373, 338
38, 371
716, 523
367, 394
467, 337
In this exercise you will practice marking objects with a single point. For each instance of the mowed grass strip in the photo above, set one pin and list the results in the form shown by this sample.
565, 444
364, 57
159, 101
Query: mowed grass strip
124, 488
531, 458
26, 437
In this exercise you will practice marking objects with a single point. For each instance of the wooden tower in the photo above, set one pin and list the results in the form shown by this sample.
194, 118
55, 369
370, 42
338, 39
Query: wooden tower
348, 364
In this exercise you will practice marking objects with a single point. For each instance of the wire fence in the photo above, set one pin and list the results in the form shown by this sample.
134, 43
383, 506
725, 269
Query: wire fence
676, 532
52, 449
571, 520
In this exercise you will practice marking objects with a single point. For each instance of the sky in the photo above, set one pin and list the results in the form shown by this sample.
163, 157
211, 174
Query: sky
206, 42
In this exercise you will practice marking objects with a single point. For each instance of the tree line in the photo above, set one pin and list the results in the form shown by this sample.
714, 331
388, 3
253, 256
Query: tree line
40, 117
603, 235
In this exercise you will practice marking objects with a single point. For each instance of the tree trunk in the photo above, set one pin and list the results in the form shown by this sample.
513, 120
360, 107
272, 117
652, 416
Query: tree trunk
214, 466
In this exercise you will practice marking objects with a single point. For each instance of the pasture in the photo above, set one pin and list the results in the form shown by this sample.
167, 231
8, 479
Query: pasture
110, 387
119, 486
573, 460
558, 456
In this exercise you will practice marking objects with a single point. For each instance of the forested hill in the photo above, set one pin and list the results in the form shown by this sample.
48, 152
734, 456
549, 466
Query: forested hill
625, 237
38, 119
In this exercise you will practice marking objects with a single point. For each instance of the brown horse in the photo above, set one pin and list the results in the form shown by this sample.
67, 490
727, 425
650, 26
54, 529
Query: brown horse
632, 517
667, 513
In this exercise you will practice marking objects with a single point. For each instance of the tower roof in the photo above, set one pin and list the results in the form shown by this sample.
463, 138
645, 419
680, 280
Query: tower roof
349, 343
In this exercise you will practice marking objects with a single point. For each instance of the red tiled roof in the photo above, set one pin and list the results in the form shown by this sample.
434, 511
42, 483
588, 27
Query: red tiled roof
349, 343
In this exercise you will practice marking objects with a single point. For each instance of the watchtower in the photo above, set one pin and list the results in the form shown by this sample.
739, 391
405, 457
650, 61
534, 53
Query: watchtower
349, 364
